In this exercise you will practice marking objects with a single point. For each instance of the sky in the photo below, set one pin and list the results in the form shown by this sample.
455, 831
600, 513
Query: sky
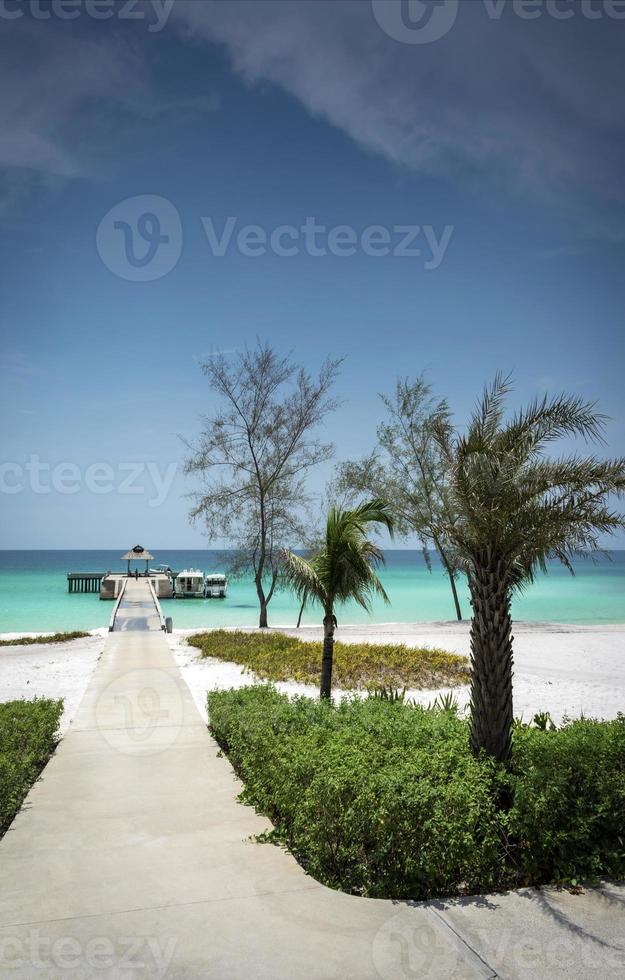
412, 186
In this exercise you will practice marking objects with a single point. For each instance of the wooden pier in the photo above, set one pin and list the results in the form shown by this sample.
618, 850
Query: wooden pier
84, 581
110, 584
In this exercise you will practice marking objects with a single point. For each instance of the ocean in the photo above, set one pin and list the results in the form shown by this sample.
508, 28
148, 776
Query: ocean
34, 596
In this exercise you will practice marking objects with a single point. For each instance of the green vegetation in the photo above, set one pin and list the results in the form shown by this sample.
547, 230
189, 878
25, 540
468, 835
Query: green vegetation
511, 509
385, 799
25, 641
254, 455
277, 657
408, 469
28, 736
343, 570
495, 506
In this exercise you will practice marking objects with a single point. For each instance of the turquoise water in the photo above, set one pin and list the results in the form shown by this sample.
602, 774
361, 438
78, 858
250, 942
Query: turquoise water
34, 596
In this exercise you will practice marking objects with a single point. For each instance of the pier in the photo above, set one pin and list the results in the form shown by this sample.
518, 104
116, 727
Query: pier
133, 852
84, 581
109, 584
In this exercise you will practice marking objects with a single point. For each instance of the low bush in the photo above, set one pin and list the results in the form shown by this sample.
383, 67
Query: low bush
569, 800
54, 638
278, 657
28, 736
384, 799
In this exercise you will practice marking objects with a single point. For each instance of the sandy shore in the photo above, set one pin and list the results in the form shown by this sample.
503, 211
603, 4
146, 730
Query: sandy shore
56, 670
566, 670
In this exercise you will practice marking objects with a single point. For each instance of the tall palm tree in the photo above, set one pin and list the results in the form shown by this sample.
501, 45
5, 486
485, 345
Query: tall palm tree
343, 569
518, 508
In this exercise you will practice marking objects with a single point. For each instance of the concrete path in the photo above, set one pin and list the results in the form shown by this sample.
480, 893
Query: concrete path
131, 859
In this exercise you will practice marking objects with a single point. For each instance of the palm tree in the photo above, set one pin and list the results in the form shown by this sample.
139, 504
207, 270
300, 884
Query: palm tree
517, 509
343, 569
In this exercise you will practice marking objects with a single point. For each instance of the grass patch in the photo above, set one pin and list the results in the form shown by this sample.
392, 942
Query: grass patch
386, 800
26, 641
278, 657
28, 736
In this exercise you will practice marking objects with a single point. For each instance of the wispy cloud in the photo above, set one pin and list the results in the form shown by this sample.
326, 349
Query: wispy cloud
225, 352
46, 81
65, 98
16, 364
532, 107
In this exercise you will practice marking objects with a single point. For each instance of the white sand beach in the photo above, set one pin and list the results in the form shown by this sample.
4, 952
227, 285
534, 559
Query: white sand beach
50, 670
563, 669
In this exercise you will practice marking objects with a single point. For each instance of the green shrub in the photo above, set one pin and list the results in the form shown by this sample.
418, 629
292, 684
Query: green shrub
28, 736
384, 799
278, 657
569, 800
54, 638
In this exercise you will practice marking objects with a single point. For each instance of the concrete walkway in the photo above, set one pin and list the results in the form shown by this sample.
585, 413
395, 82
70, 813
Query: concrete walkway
131, 859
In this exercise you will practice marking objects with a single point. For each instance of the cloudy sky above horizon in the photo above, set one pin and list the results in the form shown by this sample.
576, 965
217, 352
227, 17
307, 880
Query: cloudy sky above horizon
502, 141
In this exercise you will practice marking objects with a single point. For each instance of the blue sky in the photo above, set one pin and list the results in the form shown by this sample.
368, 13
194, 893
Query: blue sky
507, 132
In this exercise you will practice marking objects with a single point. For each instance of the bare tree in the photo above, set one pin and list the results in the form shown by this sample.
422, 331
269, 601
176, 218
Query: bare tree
408, 470
254, 454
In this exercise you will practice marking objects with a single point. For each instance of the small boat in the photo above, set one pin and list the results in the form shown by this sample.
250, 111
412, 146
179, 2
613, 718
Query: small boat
161, 570
189, 584
215, 586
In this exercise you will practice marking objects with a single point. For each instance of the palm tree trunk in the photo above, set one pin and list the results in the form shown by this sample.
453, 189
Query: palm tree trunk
329, 625
491, 661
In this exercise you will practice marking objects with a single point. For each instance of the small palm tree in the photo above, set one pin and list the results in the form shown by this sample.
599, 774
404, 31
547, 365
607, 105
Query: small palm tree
343, 569
517, 509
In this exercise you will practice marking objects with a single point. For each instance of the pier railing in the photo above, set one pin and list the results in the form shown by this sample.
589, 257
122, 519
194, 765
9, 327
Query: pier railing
159, 611
84, 581
117, 605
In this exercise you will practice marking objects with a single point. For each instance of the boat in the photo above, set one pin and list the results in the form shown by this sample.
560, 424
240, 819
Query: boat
161, 570
215, 586
189, 584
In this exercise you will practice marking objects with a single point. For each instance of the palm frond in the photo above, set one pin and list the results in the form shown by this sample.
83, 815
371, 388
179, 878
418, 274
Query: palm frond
300, 575
488, 415
546, 420
344, 568
518, 507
